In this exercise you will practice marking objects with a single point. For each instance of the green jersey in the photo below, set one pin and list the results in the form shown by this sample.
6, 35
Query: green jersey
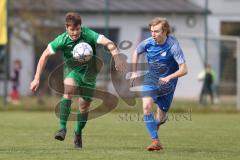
65, 44
83, 74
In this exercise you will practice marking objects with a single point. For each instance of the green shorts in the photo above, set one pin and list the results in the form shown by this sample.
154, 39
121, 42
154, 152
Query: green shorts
84, 79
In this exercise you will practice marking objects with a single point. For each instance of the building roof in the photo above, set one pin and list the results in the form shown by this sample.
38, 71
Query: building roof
115, 6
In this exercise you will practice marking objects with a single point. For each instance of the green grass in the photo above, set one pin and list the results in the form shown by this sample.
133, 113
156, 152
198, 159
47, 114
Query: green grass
29, 135
30, 104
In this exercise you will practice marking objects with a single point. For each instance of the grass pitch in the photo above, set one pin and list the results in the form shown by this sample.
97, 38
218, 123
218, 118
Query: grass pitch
120, 136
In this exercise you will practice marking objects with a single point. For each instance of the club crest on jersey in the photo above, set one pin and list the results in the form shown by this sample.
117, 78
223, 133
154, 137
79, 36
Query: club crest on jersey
164, 54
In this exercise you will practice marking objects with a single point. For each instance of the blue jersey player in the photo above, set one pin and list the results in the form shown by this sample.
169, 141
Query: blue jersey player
166, 63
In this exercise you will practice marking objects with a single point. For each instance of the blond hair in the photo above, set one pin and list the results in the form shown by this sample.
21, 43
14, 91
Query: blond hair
163, 21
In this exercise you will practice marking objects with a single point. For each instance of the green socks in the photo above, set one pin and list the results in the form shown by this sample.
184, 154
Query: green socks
81, 122
65, 109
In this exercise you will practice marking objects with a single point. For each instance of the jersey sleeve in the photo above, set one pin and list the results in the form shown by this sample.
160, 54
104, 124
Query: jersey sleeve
56, 45
178, 53
141, 47
94, 36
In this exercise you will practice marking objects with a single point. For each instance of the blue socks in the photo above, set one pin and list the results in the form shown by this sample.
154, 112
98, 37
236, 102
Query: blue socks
151, 125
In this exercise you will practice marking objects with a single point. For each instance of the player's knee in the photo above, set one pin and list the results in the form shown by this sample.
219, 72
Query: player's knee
83, 105
69, 92
147, 108
84, 108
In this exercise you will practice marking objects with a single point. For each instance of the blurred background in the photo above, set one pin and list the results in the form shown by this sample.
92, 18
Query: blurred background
207, 32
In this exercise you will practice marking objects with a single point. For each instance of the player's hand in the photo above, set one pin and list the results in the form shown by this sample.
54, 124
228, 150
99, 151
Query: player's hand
164, 80
120, 64
34, 85
133, 78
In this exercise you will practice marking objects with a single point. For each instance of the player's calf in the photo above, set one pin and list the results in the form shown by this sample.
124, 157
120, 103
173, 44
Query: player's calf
160, 122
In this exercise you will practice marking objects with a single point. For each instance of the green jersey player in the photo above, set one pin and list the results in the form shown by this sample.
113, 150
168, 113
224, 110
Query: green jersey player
65, 43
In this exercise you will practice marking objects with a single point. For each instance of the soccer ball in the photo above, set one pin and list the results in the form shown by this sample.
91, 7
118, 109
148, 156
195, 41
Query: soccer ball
82, 52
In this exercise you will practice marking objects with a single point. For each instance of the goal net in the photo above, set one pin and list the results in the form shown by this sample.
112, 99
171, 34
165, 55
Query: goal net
223, 54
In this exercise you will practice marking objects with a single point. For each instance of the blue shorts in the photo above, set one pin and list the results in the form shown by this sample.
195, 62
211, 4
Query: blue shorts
162, 99
164, 102
162, 94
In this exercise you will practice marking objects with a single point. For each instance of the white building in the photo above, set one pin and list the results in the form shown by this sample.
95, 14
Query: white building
128, 20
224, 20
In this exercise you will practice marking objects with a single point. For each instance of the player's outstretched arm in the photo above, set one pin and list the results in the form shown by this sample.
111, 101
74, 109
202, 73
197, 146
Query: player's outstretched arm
120, 64
41, 64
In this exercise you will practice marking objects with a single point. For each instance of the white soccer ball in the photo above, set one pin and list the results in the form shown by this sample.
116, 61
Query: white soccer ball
82, 52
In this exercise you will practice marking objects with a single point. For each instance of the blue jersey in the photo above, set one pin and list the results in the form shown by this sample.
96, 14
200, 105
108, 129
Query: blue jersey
163, 59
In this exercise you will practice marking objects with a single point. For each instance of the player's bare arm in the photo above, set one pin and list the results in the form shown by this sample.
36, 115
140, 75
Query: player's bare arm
119, 63
182, 71
135, 58
41, 64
